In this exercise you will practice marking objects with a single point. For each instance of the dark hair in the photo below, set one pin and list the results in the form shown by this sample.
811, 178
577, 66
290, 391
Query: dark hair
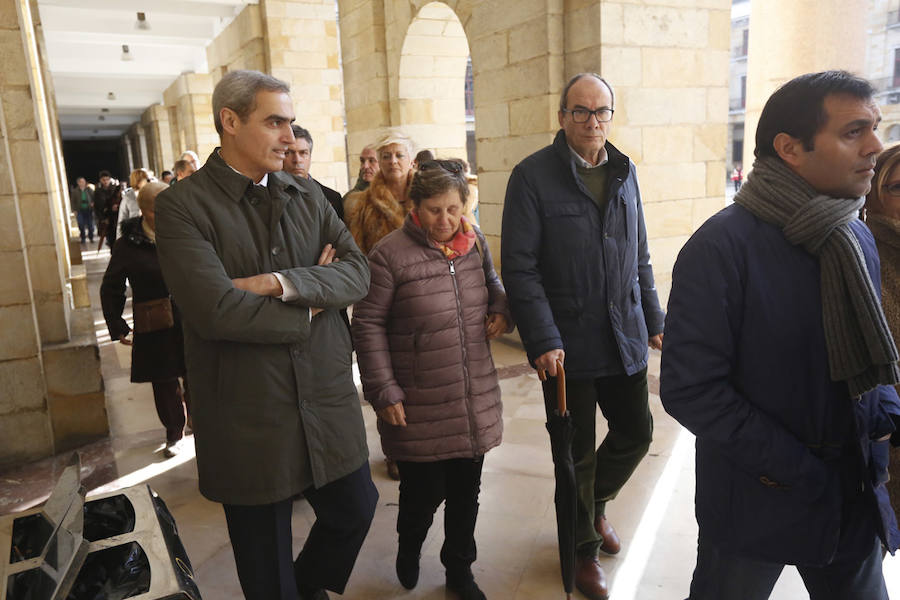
438, 176
164, 173
300, 132
798, 107
104, 173
237, 90
424, 156
564, 97
181, 166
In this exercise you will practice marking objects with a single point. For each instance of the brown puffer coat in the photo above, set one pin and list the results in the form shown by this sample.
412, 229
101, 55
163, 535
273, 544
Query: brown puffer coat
373, 213
420, 339
887, 240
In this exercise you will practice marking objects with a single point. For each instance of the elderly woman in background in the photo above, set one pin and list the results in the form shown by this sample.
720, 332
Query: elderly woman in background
129, 209
157, 352
421, 338
381, 208
882, 214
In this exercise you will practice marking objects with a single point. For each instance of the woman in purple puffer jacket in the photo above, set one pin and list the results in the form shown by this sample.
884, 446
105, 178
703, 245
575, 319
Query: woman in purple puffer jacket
421, 338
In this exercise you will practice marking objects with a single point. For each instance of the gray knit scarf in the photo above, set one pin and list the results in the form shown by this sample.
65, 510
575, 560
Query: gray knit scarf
860, 348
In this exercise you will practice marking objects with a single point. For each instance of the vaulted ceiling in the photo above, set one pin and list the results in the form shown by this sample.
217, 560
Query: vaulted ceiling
100, 89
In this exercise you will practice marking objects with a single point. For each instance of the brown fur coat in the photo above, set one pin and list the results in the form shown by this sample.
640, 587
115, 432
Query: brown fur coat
887, 239
374, 213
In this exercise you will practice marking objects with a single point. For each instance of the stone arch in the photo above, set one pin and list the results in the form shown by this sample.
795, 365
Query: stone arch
431, 80
893, 134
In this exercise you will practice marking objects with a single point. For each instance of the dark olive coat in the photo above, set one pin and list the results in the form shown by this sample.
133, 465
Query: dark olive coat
156, 355
274, 405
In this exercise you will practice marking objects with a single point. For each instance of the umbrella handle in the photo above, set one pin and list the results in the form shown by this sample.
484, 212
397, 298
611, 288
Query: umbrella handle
561, 387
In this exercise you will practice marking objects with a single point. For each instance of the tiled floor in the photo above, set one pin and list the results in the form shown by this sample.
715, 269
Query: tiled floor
517, 554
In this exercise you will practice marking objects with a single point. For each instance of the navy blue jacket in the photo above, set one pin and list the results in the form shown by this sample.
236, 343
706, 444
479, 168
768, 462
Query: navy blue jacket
782, 450
576, 279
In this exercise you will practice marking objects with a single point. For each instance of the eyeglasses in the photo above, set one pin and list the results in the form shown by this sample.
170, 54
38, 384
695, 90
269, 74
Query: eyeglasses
583, 115
893, 188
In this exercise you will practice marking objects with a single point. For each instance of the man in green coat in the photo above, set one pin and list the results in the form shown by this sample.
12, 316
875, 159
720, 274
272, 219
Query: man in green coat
259, 266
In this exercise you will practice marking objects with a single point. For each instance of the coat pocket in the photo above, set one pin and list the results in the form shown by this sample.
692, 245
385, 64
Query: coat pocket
878, 462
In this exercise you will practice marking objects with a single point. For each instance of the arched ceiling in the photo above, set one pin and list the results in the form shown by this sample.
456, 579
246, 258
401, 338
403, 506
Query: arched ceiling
84, 40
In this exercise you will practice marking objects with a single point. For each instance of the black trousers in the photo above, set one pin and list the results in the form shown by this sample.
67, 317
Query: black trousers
423, 486
171, 407
261, 539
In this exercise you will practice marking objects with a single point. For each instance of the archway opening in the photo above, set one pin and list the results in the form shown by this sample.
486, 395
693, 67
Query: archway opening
435, 84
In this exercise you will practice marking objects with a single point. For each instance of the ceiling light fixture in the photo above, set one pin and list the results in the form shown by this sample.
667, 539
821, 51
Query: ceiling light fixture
142, 22
104, 109
111, 96
126, 53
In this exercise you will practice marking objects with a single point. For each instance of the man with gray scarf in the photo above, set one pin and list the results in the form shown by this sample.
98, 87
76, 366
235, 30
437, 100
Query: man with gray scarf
778, 358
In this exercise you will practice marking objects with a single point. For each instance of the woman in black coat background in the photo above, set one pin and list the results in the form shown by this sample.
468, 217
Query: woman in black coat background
157, 352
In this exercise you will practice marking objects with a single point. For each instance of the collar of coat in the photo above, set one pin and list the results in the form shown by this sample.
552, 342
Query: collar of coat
234, 186
618, 163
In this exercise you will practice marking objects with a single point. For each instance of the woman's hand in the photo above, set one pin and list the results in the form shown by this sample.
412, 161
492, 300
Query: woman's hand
123, 339
393, 414
495, 326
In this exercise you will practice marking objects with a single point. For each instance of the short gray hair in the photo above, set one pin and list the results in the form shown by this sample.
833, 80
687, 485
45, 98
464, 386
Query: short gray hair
564, 97
237, 90
395, 136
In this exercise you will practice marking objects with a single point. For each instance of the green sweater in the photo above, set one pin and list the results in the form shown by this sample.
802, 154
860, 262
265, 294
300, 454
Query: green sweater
595, 181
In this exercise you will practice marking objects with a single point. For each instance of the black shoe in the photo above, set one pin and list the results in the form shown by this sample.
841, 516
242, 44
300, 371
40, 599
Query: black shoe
408, 569
466, 590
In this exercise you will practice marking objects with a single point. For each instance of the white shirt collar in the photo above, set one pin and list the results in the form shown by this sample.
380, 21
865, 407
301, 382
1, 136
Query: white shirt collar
263, 182
604, 158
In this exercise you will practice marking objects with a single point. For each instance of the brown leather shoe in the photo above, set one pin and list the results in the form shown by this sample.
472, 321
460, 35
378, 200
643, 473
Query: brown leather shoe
590, 578
611, 543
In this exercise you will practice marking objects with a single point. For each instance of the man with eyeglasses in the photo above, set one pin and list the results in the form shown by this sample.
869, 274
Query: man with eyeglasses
577, 272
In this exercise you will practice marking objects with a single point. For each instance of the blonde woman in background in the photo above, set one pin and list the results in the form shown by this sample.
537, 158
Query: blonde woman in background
882, 215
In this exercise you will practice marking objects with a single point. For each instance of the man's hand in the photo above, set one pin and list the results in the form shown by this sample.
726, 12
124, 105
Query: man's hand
326, 258
495, 326
264, 284
123, 339
546, 362
393, 414
656, 341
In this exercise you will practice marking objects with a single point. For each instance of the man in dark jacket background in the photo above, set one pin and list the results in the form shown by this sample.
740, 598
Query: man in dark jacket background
82, 203
777, 352
297, 162
576, 267
107, 197
249, 256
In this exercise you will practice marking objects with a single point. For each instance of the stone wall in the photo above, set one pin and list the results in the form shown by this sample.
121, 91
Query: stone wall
302, 49
189, 103
40, 410
668, 62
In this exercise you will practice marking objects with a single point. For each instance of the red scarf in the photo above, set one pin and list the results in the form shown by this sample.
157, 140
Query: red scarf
459, 244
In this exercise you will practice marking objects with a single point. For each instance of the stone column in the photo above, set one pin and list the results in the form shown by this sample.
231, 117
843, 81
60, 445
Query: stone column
190, 95
365, 77
144, 161
49, 365
788, 39
129, 152
669, 69
301, 46
156, 122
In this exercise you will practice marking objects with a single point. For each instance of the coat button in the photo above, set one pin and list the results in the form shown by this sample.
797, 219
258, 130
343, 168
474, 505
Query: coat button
275, 250
254, 201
